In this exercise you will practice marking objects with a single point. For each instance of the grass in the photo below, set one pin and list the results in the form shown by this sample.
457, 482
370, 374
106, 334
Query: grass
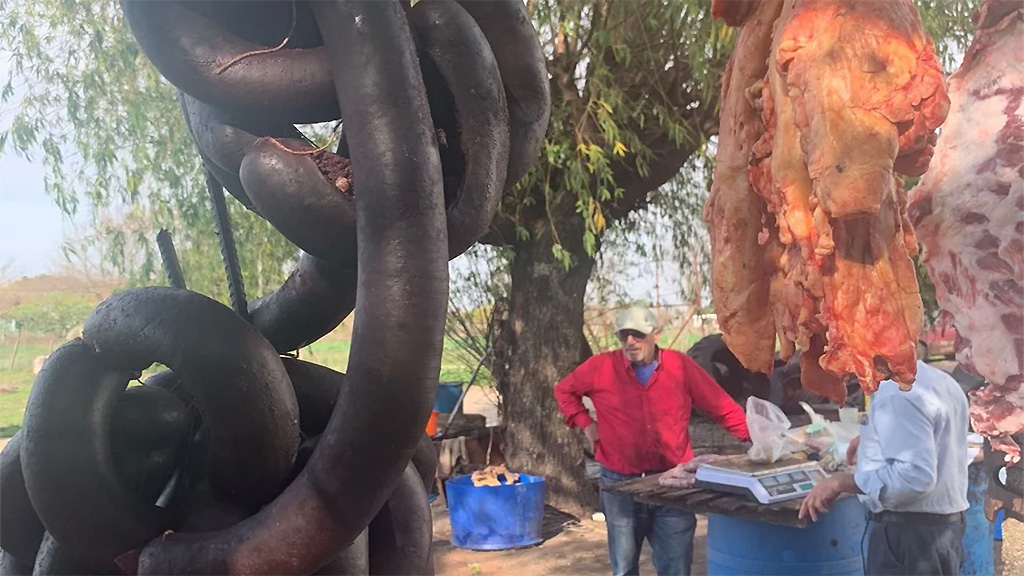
334, 354
16, 381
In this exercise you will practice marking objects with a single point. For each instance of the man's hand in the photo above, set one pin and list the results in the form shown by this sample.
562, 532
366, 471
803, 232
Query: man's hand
851, 451
821, 497
592, 436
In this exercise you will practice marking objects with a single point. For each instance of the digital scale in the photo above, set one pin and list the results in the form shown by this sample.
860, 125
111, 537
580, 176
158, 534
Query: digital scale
786, 479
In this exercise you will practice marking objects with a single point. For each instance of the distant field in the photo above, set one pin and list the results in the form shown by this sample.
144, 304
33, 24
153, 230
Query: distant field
334, 354
16, 381
332, 351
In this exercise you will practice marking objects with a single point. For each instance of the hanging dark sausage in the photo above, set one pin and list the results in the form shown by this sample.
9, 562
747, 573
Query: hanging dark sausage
67, 435
54, 560
511, 36
20, 528
314, 299
400, 309
400, 535
292, 85
234, 376
447, 34
202, 469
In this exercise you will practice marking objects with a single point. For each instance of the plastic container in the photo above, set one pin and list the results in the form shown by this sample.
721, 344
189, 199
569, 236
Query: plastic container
448, 394
849, 415
979, 557
432, 424
829, 546
495, 517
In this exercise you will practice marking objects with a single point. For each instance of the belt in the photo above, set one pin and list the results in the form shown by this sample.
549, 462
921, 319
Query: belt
918, 517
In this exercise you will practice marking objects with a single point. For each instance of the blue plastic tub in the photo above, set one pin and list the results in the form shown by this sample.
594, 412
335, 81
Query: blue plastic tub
829, 546
495, 517
448, 394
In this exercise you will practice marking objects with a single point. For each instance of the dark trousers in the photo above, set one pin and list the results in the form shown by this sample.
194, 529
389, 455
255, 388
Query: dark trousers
915, 547
669, 530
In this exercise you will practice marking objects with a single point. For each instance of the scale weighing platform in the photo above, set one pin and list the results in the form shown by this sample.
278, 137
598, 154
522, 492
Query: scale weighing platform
786, 479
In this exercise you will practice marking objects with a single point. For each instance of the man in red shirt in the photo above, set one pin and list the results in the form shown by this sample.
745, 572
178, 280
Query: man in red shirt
643, 396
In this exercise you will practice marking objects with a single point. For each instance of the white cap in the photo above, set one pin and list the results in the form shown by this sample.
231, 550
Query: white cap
637, 318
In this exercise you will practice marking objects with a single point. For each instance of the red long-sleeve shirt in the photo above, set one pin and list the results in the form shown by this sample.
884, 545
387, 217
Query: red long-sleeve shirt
645, 428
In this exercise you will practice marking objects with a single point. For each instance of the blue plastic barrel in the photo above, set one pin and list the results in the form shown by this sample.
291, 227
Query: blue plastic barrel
495, 517
829, 546
448, 394
979, 558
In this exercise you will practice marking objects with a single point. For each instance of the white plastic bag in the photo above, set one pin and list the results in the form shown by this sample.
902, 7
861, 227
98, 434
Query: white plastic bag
818, 436
768, 425
829, 439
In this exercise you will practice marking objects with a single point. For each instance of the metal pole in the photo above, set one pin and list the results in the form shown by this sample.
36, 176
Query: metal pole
228, 252
465, 391
172, 267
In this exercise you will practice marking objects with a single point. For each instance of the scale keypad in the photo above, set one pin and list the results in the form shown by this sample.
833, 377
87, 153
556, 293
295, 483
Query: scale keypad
791, 482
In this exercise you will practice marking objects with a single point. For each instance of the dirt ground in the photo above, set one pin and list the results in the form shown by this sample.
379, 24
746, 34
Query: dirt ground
579, 548
1011, 549
570, 546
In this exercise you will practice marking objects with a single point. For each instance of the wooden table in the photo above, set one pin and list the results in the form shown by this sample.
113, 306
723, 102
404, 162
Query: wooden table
702, 501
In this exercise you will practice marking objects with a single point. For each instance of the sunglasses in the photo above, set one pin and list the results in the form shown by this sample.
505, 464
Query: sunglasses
624, 335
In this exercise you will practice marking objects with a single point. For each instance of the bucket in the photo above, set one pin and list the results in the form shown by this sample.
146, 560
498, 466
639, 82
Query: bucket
495, 517
979, 557
448, 394
829, 546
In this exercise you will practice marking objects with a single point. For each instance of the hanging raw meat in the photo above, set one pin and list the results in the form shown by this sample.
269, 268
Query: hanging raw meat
741, 274
969, 214
852, 94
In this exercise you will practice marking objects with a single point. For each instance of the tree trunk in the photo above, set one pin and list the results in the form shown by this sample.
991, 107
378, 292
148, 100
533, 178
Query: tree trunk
545, 336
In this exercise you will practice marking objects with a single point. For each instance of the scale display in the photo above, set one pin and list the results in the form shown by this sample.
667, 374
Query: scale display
766, 483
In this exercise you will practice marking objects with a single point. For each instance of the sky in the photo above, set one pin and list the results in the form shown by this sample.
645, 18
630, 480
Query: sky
31, 225
32, 228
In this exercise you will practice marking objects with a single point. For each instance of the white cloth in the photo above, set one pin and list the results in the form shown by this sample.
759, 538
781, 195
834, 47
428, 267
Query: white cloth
453, 454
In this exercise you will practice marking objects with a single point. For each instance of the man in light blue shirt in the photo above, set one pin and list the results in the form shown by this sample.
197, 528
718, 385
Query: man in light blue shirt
911, 473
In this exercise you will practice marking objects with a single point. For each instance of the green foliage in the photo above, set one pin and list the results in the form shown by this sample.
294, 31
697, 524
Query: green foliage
52, 314
477, 308
951, 24
114, 142
16, 378
634, 98
633, 84
924, 282
634, 89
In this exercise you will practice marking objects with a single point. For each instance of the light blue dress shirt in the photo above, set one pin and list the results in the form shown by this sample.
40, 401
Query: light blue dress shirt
913, 448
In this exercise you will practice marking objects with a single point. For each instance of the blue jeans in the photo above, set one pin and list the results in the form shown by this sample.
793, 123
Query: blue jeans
669, 530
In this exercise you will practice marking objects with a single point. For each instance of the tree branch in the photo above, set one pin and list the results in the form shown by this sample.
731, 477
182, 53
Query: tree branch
502, 232
668, 159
